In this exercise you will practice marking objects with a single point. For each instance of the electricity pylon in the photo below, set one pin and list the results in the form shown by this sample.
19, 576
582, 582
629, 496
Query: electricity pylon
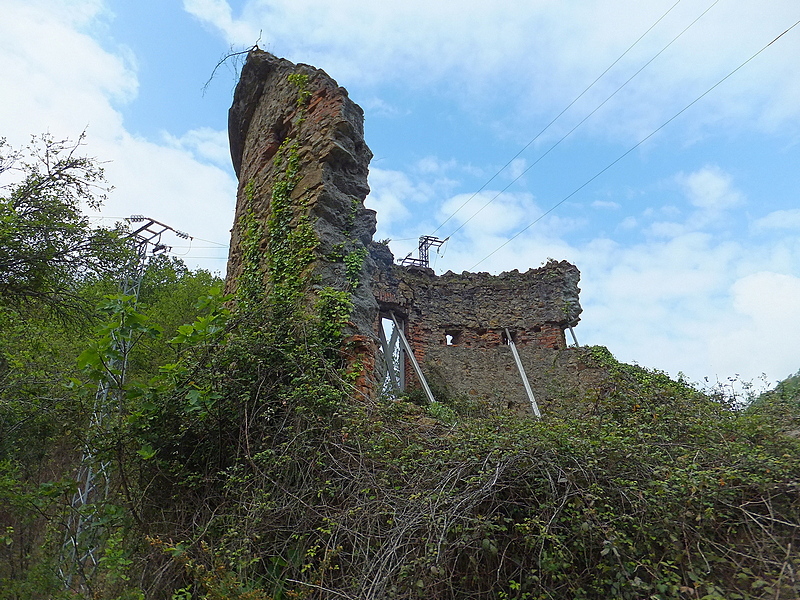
79, 558
425, 243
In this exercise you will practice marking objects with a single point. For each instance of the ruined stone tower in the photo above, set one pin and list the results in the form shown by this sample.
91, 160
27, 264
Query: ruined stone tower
294, 123
292, 127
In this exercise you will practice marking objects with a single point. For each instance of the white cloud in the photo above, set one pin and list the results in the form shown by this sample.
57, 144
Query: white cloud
218, 14
170, 185
481, 54
765, 328
58, 78
489, 212
689, 301
390, 194
768, 298
204, 143
54, 76
517, 168
376, 106
779, 219
606, 204
667, 229
433, 165
711, 189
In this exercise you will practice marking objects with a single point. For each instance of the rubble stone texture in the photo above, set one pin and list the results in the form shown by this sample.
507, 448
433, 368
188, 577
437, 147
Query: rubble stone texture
328, 130
456, 326
455, 323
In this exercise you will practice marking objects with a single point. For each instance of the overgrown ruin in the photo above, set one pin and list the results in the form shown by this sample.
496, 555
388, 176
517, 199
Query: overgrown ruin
457, 326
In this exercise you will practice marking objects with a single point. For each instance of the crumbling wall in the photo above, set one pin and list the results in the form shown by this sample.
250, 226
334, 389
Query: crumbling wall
562, 380
294, 121
456, 325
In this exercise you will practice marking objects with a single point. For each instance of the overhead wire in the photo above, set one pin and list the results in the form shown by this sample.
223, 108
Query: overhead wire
208, 257
632, 148
586, 118
188, 249
195, 246
559, 115
211, 242
216, 244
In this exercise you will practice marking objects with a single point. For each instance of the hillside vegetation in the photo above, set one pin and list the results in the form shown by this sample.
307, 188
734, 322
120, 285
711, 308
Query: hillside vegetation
239, 465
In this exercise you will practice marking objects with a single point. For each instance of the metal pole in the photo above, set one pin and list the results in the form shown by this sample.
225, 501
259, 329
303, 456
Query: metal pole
80, 545
413, 360
525, 382
574, 339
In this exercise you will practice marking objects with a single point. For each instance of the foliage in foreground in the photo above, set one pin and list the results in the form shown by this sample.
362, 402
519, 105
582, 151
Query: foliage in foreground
46, 406
781, 405
659, 493
241, 467
253, 477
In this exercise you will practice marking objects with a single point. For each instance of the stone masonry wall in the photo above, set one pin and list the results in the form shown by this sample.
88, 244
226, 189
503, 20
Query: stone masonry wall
455, 323
561, 379
311, 115
456, 326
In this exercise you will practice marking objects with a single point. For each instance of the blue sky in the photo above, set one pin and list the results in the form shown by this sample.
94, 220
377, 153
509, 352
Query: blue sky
688, 246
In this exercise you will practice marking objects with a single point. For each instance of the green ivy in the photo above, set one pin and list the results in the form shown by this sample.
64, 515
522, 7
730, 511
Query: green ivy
300, 80
353, 263
250, 283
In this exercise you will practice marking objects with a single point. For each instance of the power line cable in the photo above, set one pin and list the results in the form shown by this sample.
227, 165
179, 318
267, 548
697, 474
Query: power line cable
217, 244
558, 116
205, 257
632, 148
188, 249
586, 118
212, 242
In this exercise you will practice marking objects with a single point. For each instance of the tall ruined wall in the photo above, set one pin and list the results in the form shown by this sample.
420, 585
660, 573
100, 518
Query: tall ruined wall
293, 123
298, 149
474, 309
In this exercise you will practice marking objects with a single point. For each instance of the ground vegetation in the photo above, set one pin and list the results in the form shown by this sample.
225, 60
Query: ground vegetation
241, 464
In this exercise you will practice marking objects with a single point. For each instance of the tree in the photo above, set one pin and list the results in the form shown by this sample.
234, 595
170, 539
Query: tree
46, 243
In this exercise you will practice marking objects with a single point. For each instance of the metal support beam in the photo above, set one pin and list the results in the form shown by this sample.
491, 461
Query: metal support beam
79, 559
525, 381
425, 243
413, 359
574, 339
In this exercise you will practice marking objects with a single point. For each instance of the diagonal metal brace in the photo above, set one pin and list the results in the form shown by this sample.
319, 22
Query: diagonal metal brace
413, 360
525, 381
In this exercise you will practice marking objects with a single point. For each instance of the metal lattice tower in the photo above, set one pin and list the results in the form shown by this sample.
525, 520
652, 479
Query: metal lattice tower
426, 242
79, 552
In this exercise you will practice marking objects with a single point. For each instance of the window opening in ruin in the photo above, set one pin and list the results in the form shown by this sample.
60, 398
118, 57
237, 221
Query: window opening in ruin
391, 366
452, 337
574, 339
537, 329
